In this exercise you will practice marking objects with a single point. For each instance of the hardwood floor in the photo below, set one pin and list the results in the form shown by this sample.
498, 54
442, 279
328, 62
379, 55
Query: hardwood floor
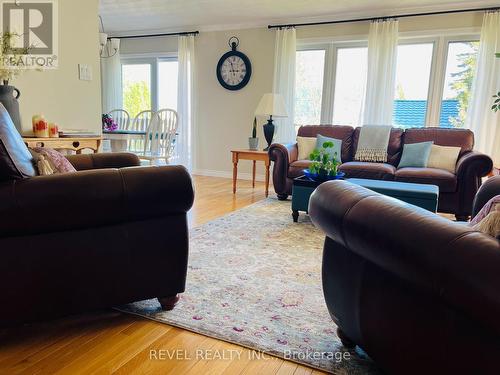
110, 342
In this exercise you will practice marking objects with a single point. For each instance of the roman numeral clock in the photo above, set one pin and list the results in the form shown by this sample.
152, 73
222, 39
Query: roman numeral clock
234, 68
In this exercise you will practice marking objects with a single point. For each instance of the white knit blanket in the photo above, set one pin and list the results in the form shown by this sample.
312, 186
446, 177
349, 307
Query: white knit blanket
373, 143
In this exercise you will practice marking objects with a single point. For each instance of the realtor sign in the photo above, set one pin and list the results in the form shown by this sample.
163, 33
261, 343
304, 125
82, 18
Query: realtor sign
33, 27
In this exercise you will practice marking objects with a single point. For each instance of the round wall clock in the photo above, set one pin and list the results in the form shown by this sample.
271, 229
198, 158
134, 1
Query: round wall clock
234, 68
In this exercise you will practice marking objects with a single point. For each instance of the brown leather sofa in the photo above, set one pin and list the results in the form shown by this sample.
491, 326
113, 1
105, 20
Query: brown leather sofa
416, 291
109, 234
456, 190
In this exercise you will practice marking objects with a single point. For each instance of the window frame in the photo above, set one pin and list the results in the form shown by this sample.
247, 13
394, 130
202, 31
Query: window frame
440, 40
153, 60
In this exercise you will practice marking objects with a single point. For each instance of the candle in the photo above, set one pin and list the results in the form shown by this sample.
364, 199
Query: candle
41, 128
53, 130
34, 120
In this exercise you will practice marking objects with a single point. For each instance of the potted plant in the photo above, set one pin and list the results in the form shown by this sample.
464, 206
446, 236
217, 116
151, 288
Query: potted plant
324, 167
253, 142
8, 70
108, 124
496, 97
496, 104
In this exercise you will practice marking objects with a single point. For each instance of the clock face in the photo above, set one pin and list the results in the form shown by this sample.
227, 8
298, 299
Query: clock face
234, 70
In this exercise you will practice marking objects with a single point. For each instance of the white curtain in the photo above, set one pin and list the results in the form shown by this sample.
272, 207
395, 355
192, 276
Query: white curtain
185, 102
480, 118
111, 83
284, 81
381, 76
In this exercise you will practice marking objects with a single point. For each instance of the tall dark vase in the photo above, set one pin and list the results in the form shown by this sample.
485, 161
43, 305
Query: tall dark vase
8, 97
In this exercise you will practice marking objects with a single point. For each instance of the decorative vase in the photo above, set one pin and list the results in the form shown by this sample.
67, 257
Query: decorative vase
269, 132
9, 101
253, 143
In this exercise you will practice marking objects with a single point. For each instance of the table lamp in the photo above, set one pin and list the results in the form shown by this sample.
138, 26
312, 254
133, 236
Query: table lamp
271, 105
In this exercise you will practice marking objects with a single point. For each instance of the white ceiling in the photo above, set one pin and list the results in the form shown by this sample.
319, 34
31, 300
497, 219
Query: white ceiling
125, 16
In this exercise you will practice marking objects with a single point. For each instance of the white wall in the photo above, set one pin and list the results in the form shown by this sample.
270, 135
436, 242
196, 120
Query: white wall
224, 118
59, 94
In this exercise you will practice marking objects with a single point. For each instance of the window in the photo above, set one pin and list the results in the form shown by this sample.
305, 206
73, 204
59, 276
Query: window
350, 81
310, 65
460, 68
412, 84
149, 84
136, 84
433, 81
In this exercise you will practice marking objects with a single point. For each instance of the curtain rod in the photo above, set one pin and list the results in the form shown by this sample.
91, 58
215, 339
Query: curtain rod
154, 35
378, 18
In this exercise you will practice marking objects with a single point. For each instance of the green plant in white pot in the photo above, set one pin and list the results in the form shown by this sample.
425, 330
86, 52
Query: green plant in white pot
253, 141
9, 69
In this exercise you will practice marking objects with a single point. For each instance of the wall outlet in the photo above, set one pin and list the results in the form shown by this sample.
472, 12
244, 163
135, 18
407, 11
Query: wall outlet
84, 72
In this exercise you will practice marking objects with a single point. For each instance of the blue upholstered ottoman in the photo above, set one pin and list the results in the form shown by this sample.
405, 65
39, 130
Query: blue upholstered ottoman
421, 195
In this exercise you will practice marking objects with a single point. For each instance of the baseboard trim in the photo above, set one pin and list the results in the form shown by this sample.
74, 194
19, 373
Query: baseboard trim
226, 174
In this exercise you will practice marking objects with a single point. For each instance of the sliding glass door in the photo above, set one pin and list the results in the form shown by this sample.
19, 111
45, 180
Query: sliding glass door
149, 84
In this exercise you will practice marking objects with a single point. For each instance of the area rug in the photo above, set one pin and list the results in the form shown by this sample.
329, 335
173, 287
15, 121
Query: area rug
254, 279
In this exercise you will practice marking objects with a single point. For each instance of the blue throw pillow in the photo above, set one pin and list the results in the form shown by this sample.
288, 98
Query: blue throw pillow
337, 146
415, 155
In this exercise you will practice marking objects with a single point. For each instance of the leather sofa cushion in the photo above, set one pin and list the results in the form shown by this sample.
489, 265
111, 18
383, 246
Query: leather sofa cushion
463, 138
446, 181
373, 171
341, 132
16, 162
297, 168
394, 149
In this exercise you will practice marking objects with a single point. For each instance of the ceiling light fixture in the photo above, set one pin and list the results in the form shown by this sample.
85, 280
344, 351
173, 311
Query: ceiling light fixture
109, 47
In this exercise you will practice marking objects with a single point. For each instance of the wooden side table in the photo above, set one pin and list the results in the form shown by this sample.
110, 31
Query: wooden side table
73, 143
255, 156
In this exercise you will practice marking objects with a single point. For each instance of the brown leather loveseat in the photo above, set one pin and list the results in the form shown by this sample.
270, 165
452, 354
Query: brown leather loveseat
456, 190
109, 234
416, 291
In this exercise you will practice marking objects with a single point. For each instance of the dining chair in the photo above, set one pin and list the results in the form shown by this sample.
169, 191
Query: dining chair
121, 117
140, 123
160, 137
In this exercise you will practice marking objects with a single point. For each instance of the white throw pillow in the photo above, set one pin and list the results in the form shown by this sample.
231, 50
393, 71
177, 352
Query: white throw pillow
443, 157
306, 146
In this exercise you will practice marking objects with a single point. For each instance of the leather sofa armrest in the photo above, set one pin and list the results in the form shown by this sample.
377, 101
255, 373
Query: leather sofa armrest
430, 252
471, 167
474, 162
288, 151
93, 198
85, 162
488, 190
282, 155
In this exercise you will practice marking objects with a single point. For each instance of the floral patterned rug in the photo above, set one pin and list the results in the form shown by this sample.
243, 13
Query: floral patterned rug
254, 279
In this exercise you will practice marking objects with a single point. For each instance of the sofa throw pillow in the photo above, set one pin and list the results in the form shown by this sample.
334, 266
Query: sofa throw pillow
337, 146
306, 146
488, 219
443, 157
415, 155
49, 161
16, 161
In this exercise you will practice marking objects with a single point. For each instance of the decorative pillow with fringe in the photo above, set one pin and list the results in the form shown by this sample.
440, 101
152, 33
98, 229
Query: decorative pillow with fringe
49, 161
488, 219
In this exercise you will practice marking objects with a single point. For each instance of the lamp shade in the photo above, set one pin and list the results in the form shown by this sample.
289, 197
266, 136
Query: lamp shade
272, 105
103, 39
115, 44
